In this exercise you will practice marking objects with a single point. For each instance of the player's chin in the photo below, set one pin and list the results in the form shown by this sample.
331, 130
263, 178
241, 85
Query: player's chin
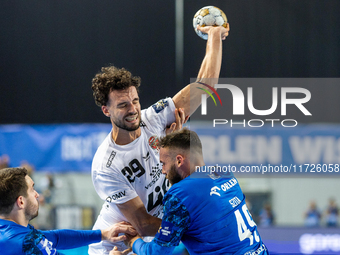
133, 126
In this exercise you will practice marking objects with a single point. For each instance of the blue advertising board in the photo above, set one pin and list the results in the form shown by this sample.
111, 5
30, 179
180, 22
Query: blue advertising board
306, 149
70, 147
54, 148
300, 240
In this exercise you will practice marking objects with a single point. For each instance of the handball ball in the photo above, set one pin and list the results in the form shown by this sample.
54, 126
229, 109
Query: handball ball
209, 16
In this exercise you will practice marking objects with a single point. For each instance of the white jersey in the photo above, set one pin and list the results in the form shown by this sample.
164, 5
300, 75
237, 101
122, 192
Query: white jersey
123, 172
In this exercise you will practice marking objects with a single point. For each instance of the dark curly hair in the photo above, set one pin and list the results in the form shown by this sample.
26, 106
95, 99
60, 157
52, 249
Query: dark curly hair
112, 78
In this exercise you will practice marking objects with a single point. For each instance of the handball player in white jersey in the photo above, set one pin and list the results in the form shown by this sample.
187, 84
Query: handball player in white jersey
126, 172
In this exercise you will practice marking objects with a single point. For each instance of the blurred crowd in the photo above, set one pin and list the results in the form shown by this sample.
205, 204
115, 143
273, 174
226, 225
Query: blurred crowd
314, 217
263, 217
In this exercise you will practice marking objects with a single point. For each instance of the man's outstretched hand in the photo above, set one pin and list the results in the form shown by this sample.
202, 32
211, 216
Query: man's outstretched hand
115, 251
219, 29
111, 233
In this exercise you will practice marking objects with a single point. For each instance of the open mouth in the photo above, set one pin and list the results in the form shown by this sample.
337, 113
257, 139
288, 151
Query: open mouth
132, 118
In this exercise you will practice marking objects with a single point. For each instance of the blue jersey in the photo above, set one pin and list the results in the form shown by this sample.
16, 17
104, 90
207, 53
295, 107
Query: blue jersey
209, 216
17, 239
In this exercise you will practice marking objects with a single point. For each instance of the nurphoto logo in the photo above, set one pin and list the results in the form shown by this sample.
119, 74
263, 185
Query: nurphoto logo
238, 108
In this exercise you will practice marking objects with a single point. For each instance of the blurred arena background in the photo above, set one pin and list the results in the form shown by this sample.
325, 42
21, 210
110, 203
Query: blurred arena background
50, 51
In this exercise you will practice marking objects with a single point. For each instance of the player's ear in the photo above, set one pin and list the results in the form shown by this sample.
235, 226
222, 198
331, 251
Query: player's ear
105, 110
20, 202
179, 160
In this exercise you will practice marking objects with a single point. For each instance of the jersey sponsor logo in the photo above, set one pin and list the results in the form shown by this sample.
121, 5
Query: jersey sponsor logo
142, 124
147, 157
155, 173
226, 186
116, 196
214, 176
214, 191
164, 232
258, 251
155, 198
155, 170
159, 213
46, 248
112, 156
153, 142
229, 184
160, 105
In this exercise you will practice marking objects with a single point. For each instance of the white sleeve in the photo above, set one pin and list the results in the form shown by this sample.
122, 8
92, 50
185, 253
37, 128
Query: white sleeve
160, 114
113, 188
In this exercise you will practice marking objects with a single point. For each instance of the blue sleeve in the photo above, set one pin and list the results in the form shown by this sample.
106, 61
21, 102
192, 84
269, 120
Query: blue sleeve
69, 239
175, 221
141, 247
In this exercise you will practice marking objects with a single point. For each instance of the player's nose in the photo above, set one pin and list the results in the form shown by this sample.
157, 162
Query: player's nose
132, 109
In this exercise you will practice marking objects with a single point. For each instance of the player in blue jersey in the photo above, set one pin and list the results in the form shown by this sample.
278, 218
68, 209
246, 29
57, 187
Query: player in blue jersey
206, 212
19, 205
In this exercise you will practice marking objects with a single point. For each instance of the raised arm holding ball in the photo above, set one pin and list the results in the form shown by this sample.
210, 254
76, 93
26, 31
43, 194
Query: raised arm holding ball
126, 171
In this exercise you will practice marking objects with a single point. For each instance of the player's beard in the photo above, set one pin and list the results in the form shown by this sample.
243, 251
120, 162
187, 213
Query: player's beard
31, 210
122, 125
173, 176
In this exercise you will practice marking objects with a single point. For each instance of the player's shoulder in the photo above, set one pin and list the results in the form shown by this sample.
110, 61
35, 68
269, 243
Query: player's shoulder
103, 147
182, 188
162, 109
10, 228
161, 104
12, 238
104, 155
35, 242
197, 185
